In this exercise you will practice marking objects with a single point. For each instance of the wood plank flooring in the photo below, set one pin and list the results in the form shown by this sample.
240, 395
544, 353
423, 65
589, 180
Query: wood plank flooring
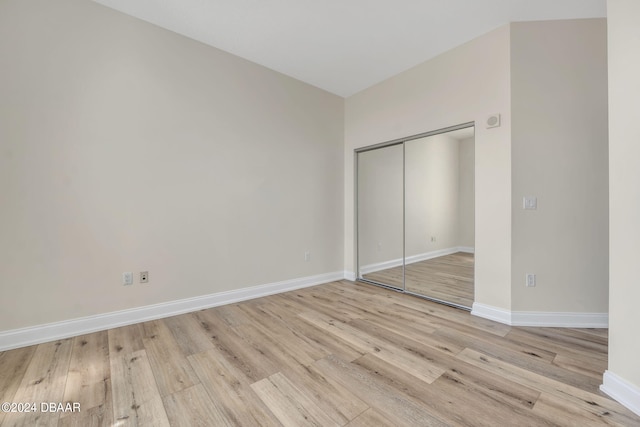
447, 278
340, 354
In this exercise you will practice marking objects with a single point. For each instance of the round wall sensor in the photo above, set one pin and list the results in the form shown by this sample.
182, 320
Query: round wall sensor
493, 121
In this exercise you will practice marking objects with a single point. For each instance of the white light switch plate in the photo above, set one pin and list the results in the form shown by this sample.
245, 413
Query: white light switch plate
530, 202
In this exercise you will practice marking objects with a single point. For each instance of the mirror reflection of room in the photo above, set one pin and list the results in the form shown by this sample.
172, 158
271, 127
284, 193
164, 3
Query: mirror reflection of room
439, 216
426, 187
380, 215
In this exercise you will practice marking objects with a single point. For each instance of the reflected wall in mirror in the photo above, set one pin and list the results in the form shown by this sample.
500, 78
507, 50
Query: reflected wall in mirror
439, 216
380, 215
415, 201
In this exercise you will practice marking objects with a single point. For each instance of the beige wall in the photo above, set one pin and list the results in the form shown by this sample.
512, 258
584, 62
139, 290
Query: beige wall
624, 188
465, 84
550, 77
559, 154
125, 147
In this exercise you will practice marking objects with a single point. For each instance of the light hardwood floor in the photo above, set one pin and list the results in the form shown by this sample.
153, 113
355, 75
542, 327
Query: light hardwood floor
447, 278
337, 354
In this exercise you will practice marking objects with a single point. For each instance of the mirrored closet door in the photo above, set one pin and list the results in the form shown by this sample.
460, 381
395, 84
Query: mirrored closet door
415, 221
380, 215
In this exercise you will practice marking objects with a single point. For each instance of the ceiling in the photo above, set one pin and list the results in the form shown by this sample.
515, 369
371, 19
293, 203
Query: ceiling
344, 46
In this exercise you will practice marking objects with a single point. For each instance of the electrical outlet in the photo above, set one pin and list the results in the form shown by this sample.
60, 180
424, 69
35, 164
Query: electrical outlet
307, 256
433, 238
144, 277
127, 278
530, 280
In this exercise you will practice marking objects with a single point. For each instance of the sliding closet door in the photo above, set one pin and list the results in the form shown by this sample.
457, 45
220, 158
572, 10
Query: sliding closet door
439, 217
415, 215
380, 216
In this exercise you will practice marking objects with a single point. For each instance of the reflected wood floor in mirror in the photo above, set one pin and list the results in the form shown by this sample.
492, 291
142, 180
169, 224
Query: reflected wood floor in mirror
447, 278
337, 354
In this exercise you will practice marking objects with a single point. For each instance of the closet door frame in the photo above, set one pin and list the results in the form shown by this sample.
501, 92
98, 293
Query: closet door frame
398, 141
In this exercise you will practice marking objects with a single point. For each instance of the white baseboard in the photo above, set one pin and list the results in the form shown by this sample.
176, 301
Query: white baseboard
467, 249
560, 320
622, 391
541, 319
69, 328
350, 275
492, 313
372, 268
430, 255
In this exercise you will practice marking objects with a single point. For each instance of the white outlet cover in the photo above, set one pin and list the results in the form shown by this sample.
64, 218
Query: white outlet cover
127, 278
530, 280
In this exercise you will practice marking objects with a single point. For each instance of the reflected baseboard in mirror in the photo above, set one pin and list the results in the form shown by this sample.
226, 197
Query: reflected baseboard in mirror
446, 278
389, 278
